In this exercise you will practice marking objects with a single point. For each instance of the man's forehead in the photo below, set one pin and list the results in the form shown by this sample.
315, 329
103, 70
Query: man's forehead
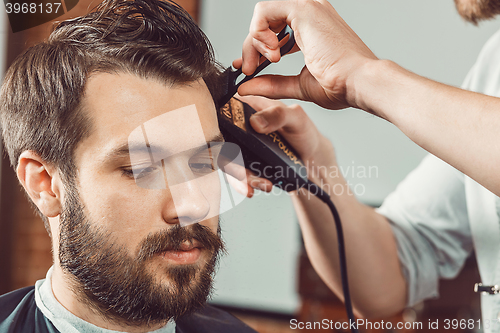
182, 126
133, 96
127, 108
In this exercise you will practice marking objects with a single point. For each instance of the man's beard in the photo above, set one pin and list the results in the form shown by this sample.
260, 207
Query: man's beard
119, 287
477, 10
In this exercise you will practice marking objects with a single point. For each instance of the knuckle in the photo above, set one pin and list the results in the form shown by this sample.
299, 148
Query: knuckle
299, 114
258, 10
257, 44
258, 7
297, 110
253, 31
257, 18
279, 112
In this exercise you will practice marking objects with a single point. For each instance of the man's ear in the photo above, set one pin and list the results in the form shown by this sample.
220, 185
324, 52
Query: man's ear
41, 182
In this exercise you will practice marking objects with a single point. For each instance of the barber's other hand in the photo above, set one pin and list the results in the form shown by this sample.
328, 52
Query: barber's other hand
333, 53
296, 127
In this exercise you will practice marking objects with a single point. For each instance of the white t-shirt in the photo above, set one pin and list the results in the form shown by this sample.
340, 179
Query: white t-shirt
439, 215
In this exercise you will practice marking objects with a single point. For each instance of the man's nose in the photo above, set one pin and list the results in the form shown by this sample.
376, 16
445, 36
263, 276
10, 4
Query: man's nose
190, 203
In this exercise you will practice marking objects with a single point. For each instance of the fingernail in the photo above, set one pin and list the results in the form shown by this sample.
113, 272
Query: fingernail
268, 56
257, 183
262, 186
254, 182
261, 121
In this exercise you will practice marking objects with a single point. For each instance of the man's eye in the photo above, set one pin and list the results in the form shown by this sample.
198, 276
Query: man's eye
199, 167
145, 172
128, 172
139, 172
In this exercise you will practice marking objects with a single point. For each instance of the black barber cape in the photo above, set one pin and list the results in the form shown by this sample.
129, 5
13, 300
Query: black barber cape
19, 314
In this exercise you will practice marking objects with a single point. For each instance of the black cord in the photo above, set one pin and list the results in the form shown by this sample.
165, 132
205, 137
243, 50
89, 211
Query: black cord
318, 192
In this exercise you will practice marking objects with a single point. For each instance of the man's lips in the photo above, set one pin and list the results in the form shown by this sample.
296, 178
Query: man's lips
188, 253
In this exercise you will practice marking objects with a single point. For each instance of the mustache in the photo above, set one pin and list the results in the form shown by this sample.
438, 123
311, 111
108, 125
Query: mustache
172, 239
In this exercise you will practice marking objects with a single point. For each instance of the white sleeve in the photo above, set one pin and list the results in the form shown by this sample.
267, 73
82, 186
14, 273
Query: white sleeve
428, 215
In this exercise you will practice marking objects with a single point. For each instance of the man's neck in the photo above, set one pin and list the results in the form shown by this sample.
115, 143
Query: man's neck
64, 293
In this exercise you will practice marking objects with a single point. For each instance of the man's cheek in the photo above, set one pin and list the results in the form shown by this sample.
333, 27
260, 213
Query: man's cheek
123, 214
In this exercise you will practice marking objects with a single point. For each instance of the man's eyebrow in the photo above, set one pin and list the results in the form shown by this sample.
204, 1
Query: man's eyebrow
217, 138
124, 150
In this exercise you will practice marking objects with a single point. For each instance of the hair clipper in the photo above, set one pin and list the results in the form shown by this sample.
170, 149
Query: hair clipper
268, 156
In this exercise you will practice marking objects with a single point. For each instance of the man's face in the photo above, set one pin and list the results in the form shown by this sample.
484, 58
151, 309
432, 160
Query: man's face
477, 10
122, 243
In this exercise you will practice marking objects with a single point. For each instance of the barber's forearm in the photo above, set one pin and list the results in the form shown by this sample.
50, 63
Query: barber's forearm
377, 286
458, 126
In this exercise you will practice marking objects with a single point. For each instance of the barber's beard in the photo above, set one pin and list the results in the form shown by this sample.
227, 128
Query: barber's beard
476, 10
120, 287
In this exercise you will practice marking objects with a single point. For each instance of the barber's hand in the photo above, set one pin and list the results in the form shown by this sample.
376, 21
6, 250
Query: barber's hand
332, 52
296, 127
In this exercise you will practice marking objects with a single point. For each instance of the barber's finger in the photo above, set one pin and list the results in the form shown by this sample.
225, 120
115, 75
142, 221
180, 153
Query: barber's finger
253, 50
273, 86
277, 26
293, 124
259, 183
271, 55
250, 183
269, 15
237, 171
233, 169
289, 119
237, 63
250, 56
259, 103
260, 26
241, 187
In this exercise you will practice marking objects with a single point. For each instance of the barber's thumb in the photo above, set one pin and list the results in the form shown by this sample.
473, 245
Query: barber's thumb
260, 123
273, 86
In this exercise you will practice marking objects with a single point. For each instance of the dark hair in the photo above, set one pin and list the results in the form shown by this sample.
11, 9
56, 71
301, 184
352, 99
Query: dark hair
41, 96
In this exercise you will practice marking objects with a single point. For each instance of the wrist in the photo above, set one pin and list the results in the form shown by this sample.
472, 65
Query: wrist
323, 170
322, 165
322, 156
365, 87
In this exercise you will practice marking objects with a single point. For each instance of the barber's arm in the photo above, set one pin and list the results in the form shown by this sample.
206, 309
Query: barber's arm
458, 126
377, 285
